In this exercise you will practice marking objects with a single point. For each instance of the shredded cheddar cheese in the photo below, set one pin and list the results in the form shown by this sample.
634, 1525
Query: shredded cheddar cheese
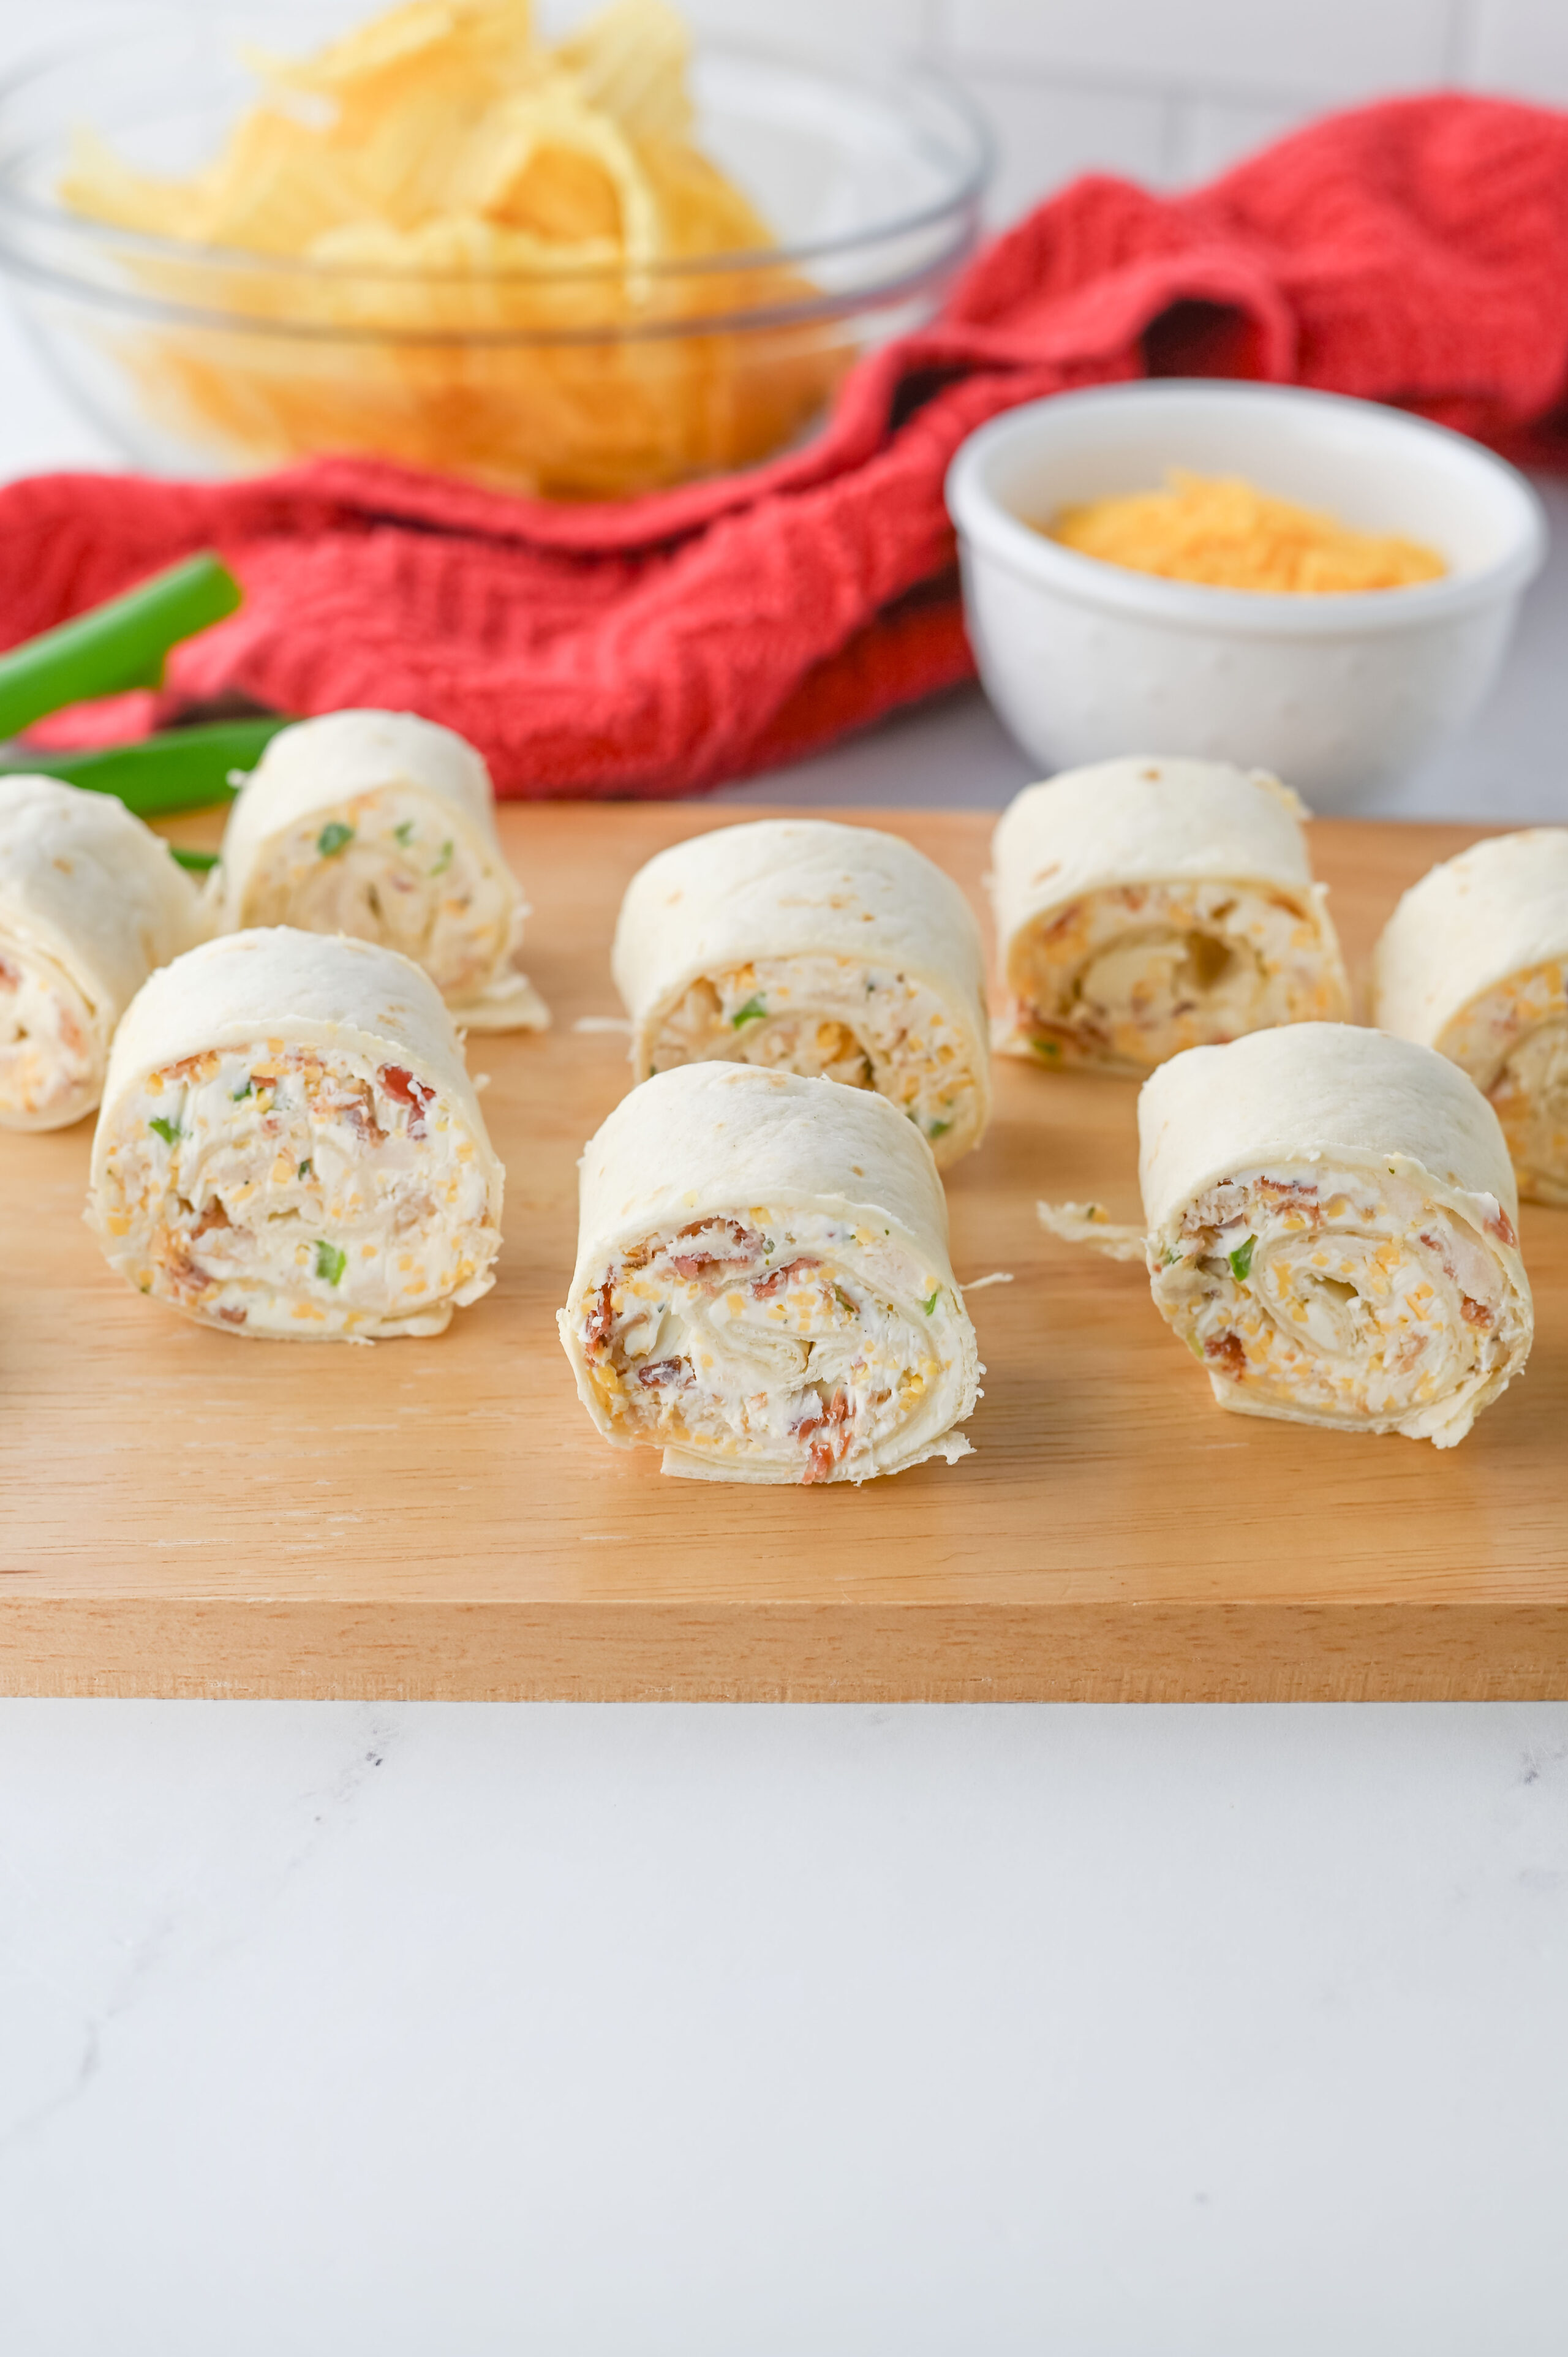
1223, 531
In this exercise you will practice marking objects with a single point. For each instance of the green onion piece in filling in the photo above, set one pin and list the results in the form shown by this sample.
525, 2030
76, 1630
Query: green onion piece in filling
1047, 1047
842, 1298
445, 859
331, 1260
752, 1012
167, 1130
929, 1304
937, 1128
307, 1170
1242, 1260
405, 832
333, 838
238, 1096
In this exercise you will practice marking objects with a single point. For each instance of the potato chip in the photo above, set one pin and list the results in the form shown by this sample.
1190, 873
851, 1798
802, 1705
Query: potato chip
480, 218
632, 60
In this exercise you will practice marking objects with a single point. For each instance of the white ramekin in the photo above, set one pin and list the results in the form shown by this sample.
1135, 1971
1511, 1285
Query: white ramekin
1336, 694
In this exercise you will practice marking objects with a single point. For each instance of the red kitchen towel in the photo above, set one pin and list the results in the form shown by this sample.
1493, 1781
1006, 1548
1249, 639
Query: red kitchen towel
1414, 251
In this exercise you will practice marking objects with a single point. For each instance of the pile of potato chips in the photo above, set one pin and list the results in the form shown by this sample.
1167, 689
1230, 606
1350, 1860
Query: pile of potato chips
471, 237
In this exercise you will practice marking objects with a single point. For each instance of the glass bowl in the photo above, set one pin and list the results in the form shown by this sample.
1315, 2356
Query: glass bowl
200, 360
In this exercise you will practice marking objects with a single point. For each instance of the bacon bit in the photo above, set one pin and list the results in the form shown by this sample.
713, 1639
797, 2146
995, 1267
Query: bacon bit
10, 975
185, 1274
1435, 1245
403, 1088
666, 1371
232, 1316
188, 1065
1286, 1186
358, 1105
1476, 1313
1502, 1227
601, 1322
1229, 1352
1069, 915
214, 1216
746, 1245
828, 1437
764, 1287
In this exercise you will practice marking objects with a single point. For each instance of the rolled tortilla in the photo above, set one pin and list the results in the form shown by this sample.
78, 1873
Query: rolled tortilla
1145, 906
383, 826
1474, 961
1330, 1229
817, 949
762, 1286
290, 1146
90, 901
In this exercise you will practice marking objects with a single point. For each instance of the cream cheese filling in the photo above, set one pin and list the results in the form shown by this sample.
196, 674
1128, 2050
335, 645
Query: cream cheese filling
299, 1192
868, 1026
799, 1341
1341, 1295
52, 1047
1513, 1042
1134, 975
397, 868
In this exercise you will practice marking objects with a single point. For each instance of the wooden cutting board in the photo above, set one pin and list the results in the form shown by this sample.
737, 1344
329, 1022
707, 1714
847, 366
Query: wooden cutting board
184, 1512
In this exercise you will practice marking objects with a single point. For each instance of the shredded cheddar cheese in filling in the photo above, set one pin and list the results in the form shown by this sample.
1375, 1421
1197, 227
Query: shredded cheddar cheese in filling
1513, 1042
1223, 531
757, 1341
1340, 1295
866, 1027
298, 1192
1126, 977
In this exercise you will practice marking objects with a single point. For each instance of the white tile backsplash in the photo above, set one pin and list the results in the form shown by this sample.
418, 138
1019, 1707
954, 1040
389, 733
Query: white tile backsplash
1521, 46
1221, 45
1210, 134
1046, 134
1171, 92
829, 24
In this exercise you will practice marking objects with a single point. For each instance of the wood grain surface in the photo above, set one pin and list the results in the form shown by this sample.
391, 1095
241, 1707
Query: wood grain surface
182, 1513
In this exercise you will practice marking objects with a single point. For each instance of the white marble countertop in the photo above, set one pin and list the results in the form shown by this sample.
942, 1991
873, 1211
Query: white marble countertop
328, 2031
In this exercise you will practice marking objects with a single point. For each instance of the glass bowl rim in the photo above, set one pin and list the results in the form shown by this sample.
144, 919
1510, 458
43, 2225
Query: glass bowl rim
915, 76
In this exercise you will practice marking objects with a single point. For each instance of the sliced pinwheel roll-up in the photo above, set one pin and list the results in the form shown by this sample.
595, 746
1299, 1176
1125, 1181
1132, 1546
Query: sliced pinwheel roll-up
1330, 1229
762, 1286
816, 949
383, 826
1146, 905
290, 1146
90, 901
1474, 961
